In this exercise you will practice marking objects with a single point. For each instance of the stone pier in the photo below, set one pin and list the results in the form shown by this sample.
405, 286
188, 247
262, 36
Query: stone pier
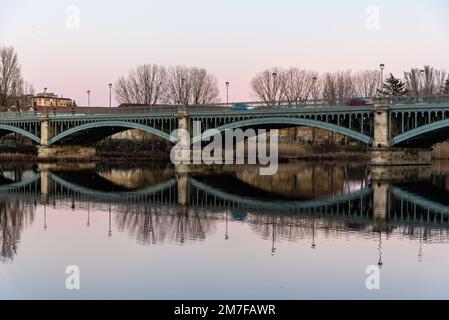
65, 152
48, 152
400, 156
383, 154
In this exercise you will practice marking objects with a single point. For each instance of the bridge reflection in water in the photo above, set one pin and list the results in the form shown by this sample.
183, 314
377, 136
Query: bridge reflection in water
300, 203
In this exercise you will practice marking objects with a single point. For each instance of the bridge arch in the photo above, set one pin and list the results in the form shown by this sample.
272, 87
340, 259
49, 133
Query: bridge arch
12, 129
288, 121
122, 125
274, 204
426, 136
89, 192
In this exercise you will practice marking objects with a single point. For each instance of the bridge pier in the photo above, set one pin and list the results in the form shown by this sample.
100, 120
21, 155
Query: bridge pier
392, 174
383, 154
47, 152
400, 156
65, 152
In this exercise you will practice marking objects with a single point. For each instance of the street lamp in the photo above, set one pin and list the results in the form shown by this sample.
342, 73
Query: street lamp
88, 98
382, 67
314, 79
183, 83
110, 95
227, 94
274, 88
423, 84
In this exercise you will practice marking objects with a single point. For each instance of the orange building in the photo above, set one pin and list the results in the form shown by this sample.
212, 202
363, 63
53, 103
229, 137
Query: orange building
49, 99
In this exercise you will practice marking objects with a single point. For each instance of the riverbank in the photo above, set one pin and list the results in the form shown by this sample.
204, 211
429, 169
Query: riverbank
122, 151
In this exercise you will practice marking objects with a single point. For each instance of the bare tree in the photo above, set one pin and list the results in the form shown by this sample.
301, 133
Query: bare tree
366, 83
427, 81
10, 75
298, 85
144, 85
268, 85
338, 86
203, 87
191, 86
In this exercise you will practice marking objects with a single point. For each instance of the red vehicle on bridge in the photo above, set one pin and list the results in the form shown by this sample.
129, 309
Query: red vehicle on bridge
355, 102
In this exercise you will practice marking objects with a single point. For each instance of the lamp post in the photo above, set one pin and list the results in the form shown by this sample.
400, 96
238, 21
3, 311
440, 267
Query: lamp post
183, 83
110, 95
382, 67
88, 98
423, 83
274, 88
227, 94
314, 79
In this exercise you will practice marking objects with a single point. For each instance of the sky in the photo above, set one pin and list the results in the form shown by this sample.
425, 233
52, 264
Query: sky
74, 46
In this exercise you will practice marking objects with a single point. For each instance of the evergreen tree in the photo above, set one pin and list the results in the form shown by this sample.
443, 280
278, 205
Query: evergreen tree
446, 87
393, 87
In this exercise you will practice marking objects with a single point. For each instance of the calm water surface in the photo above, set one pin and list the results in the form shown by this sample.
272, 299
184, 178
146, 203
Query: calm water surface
308, 232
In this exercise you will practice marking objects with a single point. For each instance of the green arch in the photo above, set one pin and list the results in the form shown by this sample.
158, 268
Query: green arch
278, 205
420, 131
105, 124
290, 121
21, 132
112, 195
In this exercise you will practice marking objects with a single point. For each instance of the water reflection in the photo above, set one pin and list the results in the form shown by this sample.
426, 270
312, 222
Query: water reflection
304, 202
15, 215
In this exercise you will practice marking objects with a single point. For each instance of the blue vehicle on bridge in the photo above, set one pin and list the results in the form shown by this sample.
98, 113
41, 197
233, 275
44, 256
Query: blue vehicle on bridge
242, 106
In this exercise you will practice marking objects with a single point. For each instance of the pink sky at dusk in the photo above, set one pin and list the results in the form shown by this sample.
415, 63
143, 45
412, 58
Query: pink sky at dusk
71, 53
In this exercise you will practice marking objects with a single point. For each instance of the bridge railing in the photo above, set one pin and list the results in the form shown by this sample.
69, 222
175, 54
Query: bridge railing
408, 100
251, 105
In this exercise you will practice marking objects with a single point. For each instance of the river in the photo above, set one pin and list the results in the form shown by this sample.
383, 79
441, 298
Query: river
312, 231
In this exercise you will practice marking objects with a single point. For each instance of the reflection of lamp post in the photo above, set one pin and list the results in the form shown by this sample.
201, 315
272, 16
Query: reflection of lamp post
88, 214
420, 253
273, 248
380, 263
110, 228
226, 234
45, 217
227, 94
313, 234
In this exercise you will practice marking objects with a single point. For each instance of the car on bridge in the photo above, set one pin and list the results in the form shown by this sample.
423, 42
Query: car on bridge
242, 106
355, 102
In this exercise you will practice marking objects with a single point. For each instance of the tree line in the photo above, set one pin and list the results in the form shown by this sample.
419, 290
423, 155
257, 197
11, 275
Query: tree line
296, 85
153, 84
